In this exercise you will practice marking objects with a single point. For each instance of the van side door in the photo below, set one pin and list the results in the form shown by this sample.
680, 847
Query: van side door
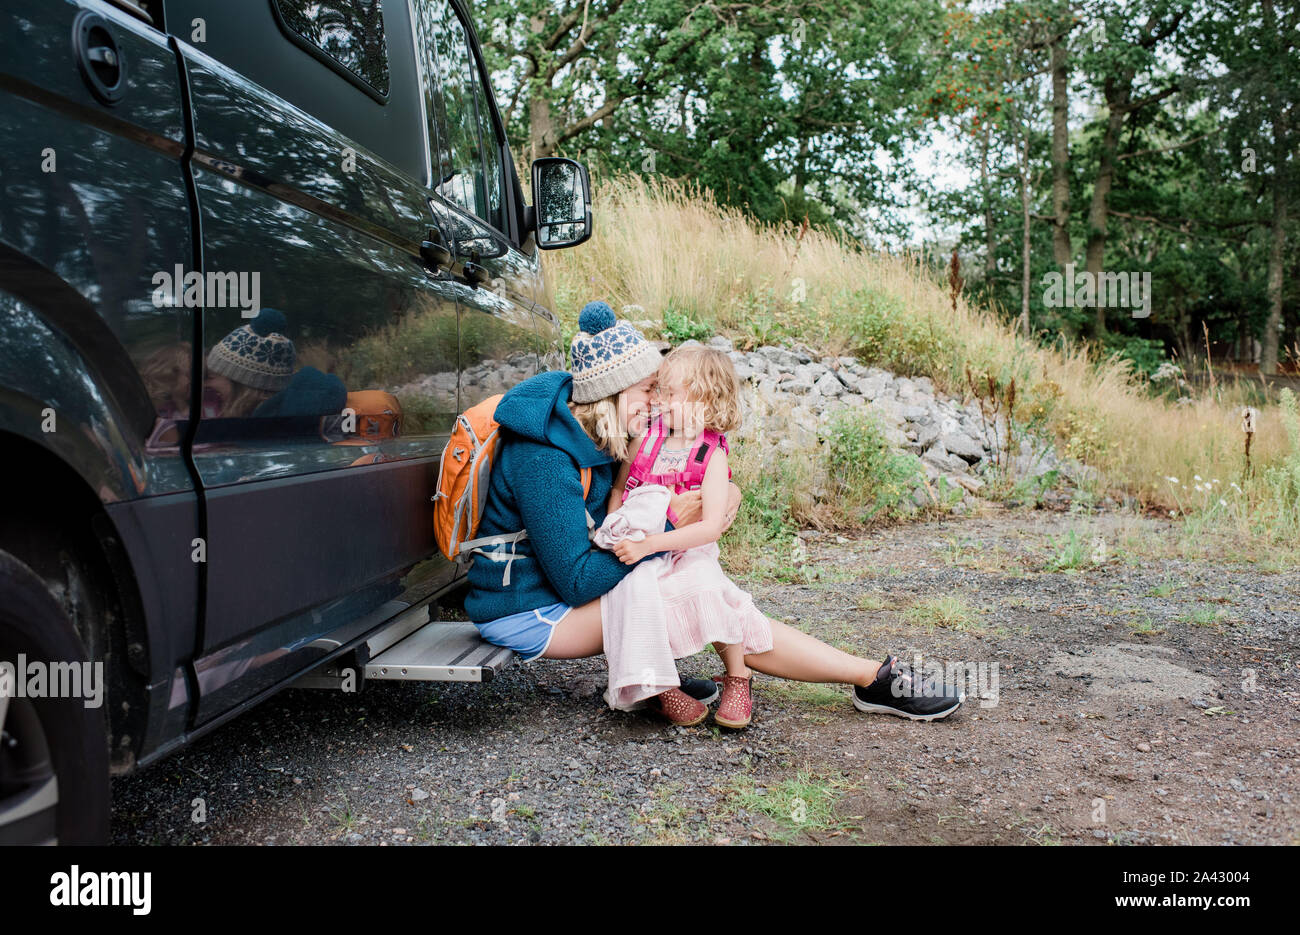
331, 360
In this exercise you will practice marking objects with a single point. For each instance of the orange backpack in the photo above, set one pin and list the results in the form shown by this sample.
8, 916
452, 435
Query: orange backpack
461, 497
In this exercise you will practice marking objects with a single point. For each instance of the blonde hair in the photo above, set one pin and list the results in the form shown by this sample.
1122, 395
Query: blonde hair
710, 379
599, 419
242, 400
165, 372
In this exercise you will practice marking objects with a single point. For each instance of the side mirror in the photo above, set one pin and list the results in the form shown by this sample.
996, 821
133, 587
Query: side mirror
561, 202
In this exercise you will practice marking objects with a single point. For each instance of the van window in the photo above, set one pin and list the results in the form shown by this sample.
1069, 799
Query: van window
255, 39
349, 32
467, 166
492, 179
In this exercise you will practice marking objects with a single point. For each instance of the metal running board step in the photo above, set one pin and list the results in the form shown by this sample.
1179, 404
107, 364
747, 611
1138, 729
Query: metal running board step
440, 652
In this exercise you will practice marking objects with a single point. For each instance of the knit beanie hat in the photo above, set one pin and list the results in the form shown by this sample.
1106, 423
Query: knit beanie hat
256, 354
608, 355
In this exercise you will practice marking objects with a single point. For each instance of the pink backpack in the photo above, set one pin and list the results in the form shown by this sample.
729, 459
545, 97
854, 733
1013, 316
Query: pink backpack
690, 477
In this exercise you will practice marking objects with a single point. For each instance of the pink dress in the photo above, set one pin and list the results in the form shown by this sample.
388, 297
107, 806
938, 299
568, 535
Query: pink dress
701, 604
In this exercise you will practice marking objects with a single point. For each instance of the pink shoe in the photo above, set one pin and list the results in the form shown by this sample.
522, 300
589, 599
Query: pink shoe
678, 707
737, 706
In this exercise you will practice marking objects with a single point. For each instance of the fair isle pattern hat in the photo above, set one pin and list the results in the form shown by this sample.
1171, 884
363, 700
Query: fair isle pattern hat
256, 354
608, 355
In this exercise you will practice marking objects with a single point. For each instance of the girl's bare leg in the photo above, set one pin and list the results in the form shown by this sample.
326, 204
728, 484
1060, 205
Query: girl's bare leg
733, 657
796, 655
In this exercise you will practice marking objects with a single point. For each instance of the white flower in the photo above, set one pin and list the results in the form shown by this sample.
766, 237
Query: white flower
1196, 477
1222, 502
1172, 480
1197, 487
1216, 480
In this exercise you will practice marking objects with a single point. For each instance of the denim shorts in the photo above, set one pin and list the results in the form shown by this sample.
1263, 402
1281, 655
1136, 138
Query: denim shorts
528, 632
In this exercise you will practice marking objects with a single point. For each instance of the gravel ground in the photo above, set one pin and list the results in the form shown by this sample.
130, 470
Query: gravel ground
1142, 699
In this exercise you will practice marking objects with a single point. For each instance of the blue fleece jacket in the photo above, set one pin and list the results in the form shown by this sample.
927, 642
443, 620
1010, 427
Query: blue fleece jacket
535, 485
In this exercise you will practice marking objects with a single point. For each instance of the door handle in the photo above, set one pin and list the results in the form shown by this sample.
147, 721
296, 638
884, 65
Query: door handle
436, 257
474, 274
99, 59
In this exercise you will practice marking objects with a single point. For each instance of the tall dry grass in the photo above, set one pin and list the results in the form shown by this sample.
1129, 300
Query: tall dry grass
665, 247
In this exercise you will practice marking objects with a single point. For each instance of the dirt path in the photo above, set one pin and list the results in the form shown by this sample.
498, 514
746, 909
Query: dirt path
1139, 699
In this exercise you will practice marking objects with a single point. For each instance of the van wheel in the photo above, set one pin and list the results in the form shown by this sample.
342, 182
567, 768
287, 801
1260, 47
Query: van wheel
54, 785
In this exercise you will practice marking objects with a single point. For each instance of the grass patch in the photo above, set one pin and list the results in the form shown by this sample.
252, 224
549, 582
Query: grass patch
807, 695
1165, 588
871, 601
803, 804
1068, 552
1146, 627
1204, 617
952, 612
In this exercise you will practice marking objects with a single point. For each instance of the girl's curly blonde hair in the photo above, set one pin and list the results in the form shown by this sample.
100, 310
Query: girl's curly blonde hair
709, 378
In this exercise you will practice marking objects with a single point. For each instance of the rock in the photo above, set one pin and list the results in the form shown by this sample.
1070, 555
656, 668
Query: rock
914, 413
921, 497
973, 484
924, 385
940, 458
803, 352
891, 413
928, 433
871, 386
690, 342
721, 342
800, 386
743, 371
829, 385
783, 359
895, 436
757, 362
963, 446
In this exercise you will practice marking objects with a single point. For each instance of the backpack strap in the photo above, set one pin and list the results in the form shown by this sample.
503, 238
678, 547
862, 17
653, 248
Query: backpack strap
585, 474
698, 460
501, 547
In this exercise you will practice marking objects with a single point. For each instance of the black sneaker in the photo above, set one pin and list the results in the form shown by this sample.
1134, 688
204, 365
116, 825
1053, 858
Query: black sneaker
705, 691
895, 691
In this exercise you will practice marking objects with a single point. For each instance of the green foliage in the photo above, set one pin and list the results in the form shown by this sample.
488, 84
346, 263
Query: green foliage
681, 325
1069, 552
871, 479
1147, 354
884, 335
1284, 478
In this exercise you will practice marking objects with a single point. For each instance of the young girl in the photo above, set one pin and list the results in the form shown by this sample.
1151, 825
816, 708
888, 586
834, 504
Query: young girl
685, 448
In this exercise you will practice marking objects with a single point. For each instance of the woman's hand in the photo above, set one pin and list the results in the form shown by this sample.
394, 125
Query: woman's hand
630, 552
733, 505
687, 506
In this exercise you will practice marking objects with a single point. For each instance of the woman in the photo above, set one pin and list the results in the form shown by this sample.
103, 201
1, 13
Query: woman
542, 598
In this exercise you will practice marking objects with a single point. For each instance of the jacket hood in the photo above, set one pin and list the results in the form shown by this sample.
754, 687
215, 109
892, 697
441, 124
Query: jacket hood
538, 410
